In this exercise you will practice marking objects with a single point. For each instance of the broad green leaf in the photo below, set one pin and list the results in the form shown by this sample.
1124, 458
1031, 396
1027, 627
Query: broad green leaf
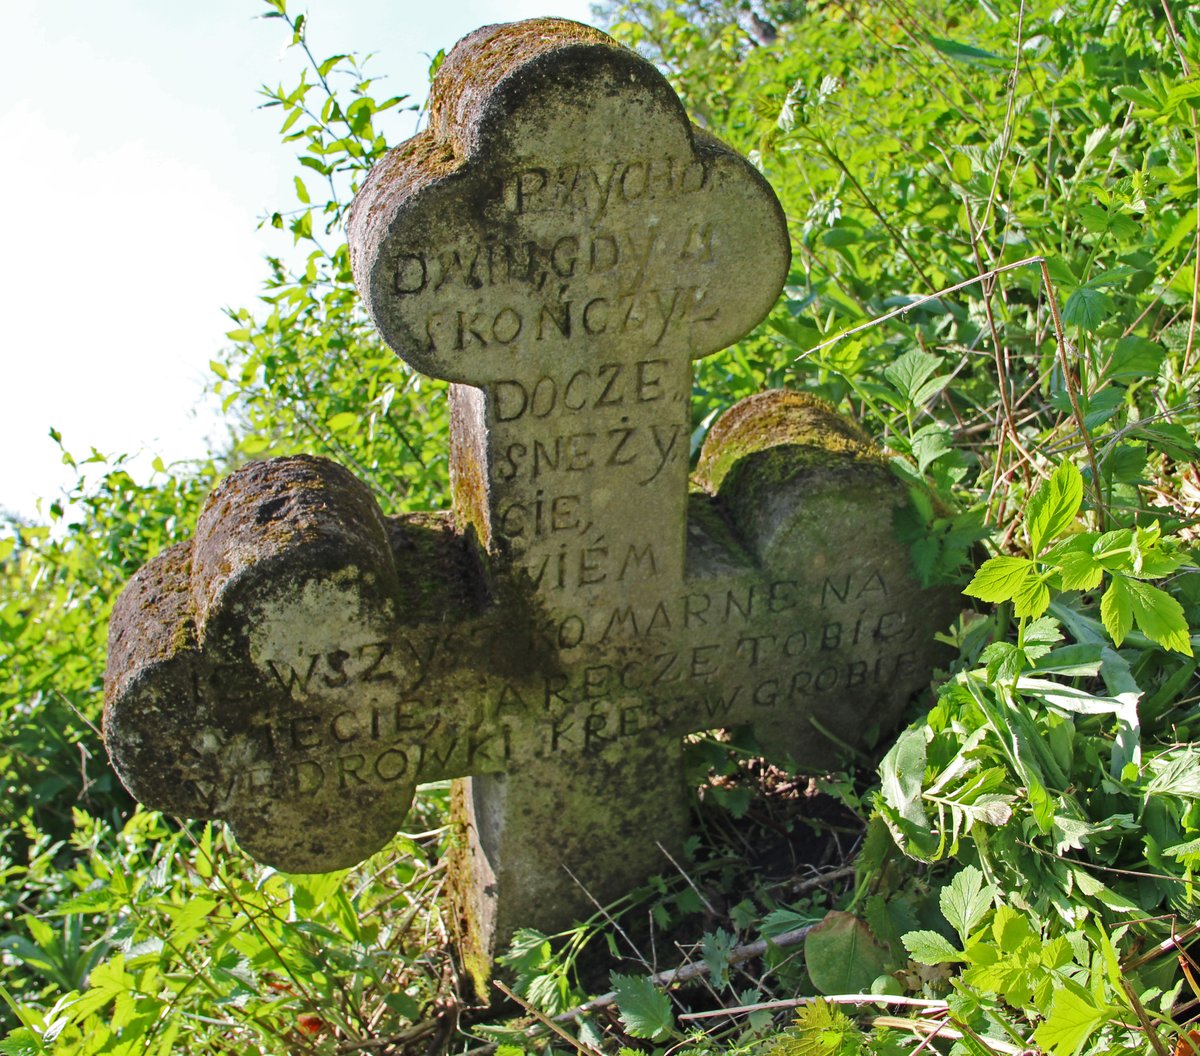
1135, 357
1054, 505
930, 947
929, 443
965, 900
1000, 579
1158, 616
1032, 598
964, 52
1004, 661
1074, 1018
842, 956
902, 773
1114, 550
1086, 308
1011, 929
344, 420
1078, 569
911, 371
1116, 609
644, 1009
1171, 439
1094, 218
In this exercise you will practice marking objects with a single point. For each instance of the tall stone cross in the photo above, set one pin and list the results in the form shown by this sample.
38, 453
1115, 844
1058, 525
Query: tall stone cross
560, 244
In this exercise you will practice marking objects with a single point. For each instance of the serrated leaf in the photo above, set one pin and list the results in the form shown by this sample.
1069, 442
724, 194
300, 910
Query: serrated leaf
822, 1029
1135, 357
1000, 579
908, 373
1074, 1018
1054, 506
1079, 569
1086, 308
1033, 597
929, 443
965, 901
1159, 616
21, 1042
929, 947
716, 948
1116, 610
1042, 631
1004, 661
645, 1010
779, 921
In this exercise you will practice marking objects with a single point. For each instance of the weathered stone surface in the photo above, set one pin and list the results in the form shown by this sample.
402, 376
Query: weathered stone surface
561, 244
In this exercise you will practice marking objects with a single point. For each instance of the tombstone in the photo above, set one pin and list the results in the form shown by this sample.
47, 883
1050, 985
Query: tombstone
560, 244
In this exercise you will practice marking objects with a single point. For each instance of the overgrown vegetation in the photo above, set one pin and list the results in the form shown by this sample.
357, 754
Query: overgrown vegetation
994, 219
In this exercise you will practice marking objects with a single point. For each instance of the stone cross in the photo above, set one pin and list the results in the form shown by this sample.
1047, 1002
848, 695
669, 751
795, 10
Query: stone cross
560, 244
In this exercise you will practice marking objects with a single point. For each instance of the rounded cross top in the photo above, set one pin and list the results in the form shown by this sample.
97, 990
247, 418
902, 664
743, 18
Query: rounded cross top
560, 205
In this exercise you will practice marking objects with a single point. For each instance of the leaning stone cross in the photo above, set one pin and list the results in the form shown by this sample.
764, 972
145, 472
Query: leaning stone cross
560, 244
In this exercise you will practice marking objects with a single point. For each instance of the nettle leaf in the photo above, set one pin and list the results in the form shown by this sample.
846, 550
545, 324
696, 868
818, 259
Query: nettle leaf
929, 947
1000, 579
1054, 506
965, 901
644, 1009
1171, 439
1135, 357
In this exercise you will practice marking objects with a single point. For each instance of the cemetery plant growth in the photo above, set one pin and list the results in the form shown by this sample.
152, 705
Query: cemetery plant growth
996, 273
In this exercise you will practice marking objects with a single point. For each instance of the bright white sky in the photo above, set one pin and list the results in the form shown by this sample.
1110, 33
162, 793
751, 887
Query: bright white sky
137, 166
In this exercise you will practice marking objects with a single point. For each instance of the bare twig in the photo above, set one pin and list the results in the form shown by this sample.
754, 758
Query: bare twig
546, 1021
1068, 380
932, 1004
918, 301
671, 977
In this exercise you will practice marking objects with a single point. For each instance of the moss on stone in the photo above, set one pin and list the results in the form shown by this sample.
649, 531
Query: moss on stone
777, 418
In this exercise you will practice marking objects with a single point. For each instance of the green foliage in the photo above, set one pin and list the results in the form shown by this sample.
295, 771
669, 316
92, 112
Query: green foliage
961, 181
644, 1009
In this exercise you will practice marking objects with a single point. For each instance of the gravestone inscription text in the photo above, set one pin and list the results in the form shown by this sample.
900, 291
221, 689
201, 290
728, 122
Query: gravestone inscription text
560, 244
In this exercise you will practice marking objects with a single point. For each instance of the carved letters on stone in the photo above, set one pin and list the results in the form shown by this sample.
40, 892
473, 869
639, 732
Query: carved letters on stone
560, 244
